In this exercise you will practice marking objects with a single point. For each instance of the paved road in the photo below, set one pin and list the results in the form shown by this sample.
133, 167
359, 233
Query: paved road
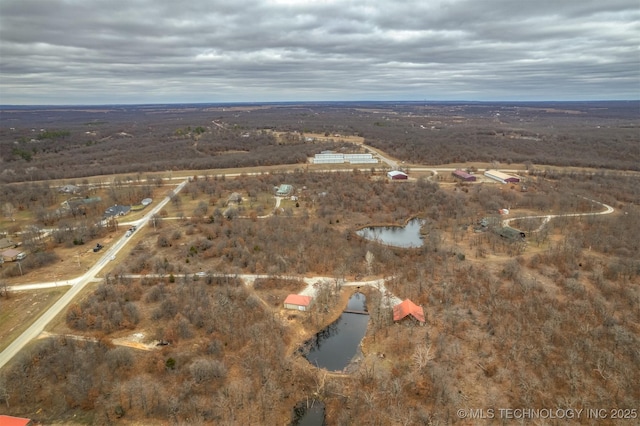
77, 284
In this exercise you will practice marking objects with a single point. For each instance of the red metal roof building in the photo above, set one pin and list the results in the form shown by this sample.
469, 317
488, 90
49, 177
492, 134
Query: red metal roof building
14, 421
407, 307
397, 174
461, 174
297, 302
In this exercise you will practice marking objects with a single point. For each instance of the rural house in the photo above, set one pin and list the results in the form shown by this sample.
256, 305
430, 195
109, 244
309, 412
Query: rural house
284, 190
116, 210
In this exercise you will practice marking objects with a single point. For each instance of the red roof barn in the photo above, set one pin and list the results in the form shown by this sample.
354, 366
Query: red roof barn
407, 307
298, 302
397, 174
14, 421
461, 174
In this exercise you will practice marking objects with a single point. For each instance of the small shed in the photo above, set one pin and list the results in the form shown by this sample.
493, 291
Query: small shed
397, 175
297, 302
407, 307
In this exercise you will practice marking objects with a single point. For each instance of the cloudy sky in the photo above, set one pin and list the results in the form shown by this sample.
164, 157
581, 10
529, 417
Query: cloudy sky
159, 51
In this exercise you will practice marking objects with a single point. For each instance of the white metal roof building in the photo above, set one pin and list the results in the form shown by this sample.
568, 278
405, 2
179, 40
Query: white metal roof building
397, 174
334, 158
501, 177
360, 158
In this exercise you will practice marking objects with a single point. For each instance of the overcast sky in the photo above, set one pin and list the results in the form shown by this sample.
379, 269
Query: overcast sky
157, 51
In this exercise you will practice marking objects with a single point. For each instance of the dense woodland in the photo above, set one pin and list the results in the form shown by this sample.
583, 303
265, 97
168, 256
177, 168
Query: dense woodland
550, 322
553, 323
53, 143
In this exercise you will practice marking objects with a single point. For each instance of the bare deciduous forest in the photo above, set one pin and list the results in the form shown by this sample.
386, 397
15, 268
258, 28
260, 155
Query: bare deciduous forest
60, 143
552, 322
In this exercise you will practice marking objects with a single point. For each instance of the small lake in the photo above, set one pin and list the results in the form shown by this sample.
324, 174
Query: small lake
407, 236
334, 347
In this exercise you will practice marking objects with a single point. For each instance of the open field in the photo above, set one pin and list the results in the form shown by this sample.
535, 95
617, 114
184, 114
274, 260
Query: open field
20, 308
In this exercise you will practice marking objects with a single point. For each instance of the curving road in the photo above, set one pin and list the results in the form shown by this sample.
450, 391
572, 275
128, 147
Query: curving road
547, 217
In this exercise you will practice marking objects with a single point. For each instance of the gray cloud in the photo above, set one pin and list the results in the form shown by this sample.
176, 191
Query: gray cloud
138, 51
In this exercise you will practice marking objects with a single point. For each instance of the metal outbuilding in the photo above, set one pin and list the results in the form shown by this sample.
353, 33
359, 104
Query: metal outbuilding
397, 175
501, 177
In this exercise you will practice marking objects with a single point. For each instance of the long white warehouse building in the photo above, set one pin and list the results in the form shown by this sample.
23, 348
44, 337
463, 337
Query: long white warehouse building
334, 158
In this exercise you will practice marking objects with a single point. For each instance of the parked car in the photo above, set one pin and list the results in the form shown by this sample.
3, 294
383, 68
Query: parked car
97, 248
128, 234
21, 256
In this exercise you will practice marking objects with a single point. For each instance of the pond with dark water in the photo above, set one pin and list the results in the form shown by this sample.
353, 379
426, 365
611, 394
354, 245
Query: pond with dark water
334, 347
407, 236
309, 414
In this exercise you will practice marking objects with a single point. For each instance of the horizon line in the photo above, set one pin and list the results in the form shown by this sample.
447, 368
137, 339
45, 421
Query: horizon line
426, 101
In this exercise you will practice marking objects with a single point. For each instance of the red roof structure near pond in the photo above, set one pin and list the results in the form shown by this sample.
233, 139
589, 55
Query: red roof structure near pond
297, 301
407, 307
14, 421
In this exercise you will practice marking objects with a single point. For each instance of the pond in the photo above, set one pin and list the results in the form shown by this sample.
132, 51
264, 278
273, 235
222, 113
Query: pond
407, 236
309, 413
334, 347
